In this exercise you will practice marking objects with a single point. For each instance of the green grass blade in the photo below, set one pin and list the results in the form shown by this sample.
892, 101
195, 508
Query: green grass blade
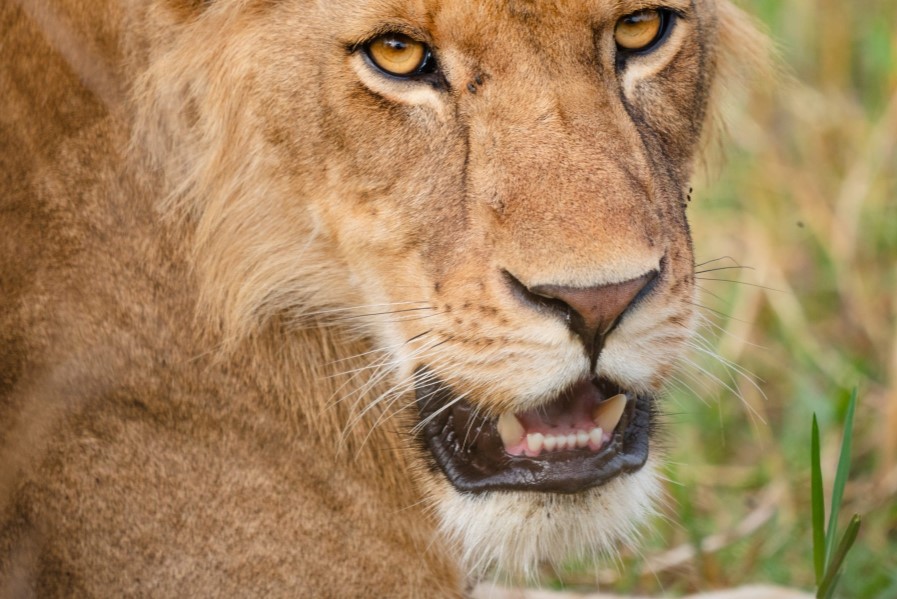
827, 588
840, 478
818, 501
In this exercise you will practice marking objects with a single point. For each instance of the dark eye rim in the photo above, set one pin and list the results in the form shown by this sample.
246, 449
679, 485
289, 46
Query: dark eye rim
427, 65
668, 18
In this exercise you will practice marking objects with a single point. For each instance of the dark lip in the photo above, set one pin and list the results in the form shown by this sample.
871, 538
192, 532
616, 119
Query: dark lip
474, 461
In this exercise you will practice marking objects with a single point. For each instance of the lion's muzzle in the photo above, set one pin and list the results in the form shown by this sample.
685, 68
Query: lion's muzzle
590, 312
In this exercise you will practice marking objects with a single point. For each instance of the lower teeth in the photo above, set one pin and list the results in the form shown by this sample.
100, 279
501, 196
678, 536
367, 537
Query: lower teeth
537, 443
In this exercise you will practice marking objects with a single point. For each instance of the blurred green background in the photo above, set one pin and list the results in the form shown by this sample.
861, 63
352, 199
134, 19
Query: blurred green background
797, 232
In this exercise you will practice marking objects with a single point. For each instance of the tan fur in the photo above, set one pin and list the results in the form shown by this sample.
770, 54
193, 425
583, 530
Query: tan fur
225, 244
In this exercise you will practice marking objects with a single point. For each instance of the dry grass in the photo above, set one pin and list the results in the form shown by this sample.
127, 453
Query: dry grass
803, 216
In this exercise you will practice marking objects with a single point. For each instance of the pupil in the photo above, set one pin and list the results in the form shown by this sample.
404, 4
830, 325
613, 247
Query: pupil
641, 17
396, 45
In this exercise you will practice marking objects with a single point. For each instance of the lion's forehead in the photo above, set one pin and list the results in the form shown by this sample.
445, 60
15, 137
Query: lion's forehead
463, 18
497, 30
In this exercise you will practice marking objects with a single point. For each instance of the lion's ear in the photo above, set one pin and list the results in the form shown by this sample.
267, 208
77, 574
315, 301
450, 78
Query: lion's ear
747, 63
746, 50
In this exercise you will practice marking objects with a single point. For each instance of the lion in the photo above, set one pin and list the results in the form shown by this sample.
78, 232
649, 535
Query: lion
350, 298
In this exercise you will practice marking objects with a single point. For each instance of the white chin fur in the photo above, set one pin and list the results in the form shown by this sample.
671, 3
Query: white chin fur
506, 535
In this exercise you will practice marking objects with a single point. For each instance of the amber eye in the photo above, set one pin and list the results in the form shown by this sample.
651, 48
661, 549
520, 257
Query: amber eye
398, 54
640, 30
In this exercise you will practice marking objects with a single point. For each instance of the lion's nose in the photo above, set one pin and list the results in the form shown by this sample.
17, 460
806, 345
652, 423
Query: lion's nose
590, 312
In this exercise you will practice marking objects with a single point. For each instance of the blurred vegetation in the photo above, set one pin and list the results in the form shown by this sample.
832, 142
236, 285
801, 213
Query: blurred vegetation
801, 220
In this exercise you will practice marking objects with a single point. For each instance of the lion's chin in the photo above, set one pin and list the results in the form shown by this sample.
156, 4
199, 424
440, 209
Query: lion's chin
508, 535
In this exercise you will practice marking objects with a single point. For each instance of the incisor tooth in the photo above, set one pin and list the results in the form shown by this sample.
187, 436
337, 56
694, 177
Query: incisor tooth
595, 436
608, 414
550, 442
571, 440
582, 439
510, 429
534, 442
561, 442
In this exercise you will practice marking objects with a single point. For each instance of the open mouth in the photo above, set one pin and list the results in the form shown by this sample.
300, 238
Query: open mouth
590, 434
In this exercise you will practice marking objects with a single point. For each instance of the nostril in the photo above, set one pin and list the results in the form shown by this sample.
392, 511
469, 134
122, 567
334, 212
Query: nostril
541, 302
590, 312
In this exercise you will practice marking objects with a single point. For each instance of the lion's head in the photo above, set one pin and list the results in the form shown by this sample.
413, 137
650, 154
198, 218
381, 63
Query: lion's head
495, 191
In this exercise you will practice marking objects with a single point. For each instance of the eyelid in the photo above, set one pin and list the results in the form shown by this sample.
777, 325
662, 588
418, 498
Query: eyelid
680, 8
418, 35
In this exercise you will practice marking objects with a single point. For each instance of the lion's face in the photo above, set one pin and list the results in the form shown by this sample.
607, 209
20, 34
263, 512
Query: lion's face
506, 219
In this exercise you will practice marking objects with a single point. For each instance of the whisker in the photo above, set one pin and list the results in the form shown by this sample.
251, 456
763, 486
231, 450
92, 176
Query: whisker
700, 272
394, 393
764, 287
378, 372
713, 377
376, 350
354, 308
397, 391
386, 313
717, 312
716, 328
699, 265
706, 291
381, 349
423, 423
737, 393
679, 381
413, 318
747, 374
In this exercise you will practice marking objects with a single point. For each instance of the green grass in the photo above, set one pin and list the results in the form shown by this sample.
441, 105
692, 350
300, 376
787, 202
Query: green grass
828, 557
807, 198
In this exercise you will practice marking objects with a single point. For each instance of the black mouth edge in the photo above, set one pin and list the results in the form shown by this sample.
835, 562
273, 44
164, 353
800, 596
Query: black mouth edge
471, 471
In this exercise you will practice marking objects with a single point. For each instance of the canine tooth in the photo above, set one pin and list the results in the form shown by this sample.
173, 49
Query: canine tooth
608, 414
561, 442
582, 439
534, 442
550, 442
510, 429
571, 440
595, 436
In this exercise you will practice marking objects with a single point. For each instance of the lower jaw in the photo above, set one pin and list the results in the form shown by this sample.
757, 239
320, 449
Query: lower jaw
468, 450
512, 536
